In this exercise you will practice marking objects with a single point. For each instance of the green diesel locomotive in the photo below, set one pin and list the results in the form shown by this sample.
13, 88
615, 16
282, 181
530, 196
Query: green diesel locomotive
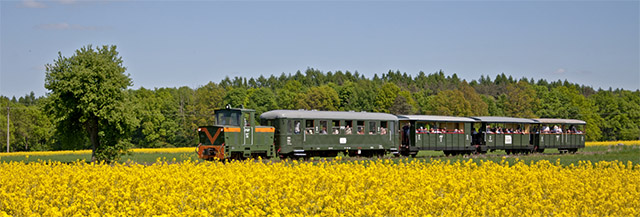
235, 136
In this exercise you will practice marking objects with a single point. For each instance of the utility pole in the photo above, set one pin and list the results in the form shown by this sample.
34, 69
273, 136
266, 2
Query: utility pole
8, 129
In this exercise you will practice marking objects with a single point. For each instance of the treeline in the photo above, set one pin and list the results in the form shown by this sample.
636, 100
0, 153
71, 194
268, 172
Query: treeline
168, 117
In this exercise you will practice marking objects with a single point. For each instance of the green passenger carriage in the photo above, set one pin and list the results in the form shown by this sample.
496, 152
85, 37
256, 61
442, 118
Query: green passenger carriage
505, 133
235, 136
303, 133
452, 135
566, 135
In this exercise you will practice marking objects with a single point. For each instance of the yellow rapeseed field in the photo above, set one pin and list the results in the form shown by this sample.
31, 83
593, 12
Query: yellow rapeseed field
607, 143
326, 188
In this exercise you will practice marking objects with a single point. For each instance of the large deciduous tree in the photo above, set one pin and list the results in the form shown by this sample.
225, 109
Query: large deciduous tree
89, 100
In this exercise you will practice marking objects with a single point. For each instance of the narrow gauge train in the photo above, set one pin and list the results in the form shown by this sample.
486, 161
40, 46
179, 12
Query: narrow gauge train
303, 133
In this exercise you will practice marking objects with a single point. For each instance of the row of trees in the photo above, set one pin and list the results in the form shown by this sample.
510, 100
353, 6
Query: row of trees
167, 117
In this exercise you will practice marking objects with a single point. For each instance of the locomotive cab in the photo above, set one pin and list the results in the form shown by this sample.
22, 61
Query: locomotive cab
235, 136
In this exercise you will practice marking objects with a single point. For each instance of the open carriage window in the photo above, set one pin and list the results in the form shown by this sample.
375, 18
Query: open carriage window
335, 127
323, 127
294, 126
383, 127
372, 127
360, 127
309, 127
348, 128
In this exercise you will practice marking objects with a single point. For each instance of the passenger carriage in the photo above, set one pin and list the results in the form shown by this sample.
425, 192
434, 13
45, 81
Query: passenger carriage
566, 135
452, 135
514, 135
304, 133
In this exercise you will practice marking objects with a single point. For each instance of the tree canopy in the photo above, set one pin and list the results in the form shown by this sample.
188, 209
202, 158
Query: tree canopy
90, 87
88, 100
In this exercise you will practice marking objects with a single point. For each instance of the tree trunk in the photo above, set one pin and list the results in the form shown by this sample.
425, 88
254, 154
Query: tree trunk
92, 128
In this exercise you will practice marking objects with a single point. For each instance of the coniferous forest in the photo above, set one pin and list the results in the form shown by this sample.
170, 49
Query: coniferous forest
168, 117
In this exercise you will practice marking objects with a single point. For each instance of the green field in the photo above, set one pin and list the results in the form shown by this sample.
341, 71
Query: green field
591, 153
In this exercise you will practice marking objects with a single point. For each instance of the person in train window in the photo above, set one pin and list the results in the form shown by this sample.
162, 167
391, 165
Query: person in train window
347, 130
297, 129
324, 130
383, 131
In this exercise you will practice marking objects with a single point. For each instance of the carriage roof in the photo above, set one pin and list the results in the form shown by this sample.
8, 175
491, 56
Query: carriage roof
336, 115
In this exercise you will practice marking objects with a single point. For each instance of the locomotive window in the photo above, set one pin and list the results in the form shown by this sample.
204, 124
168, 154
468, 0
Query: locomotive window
309, 127
383, 127
234, 120
348, 127
246, 119
227, 118
323, 127
335, 127
372, 127
360, 127
220, 119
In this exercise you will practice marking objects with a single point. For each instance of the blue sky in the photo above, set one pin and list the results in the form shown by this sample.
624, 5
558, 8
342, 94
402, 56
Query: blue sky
177, 43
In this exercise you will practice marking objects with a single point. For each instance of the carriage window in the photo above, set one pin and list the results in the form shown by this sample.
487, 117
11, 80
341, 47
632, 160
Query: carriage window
372, 128
335, 127
294, 126
323, 127
526, 129
309, 127
360, 127
496, 128
383, 127
348, 127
